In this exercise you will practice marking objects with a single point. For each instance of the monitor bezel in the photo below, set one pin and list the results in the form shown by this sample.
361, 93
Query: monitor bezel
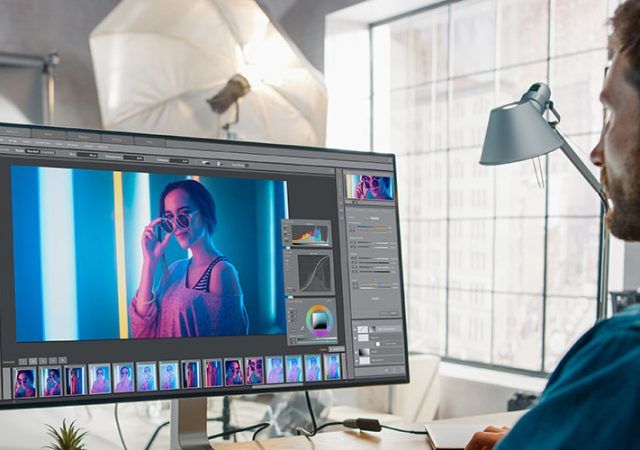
135, 396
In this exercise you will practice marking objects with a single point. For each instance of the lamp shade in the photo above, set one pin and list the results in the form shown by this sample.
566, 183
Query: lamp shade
516, 132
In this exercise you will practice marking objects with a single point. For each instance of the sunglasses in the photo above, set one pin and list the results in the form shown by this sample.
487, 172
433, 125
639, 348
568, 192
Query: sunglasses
371, 181
182, 221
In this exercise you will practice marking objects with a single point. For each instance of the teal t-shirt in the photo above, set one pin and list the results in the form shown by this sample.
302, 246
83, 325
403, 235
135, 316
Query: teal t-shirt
592, 399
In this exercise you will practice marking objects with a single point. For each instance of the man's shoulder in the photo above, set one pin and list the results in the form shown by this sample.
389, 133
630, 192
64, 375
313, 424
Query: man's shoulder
595, 383
610, 345
621, 327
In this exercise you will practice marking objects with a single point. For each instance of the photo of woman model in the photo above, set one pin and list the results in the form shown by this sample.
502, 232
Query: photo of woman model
181, 255
199, 295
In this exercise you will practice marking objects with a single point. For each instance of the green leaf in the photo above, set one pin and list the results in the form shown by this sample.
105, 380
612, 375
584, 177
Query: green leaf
67, 437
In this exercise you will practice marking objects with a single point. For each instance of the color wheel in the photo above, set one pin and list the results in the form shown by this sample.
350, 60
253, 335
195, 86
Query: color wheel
319, 320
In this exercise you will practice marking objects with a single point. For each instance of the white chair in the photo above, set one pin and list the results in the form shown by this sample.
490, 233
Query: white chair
415, 402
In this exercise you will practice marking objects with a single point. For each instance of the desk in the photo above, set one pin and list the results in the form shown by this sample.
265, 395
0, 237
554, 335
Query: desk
354, 440
25, 430
337, 440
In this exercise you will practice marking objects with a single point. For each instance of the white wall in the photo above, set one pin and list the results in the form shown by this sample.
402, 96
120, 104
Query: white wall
632, 265
304, 22
35, 27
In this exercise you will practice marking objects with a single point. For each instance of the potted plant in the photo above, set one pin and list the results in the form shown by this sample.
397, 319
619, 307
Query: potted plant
66, 438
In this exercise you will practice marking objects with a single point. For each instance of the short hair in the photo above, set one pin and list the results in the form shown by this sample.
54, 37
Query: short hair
626, 36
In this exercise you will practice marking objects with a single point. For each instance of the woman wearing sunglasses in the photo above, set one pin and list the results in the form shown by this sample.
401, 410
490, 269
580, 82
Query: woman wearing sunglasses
197, 296
373, 187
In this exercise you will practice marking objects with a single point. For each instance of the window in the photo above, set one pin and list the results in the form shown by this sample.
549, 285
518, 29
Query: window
497, 270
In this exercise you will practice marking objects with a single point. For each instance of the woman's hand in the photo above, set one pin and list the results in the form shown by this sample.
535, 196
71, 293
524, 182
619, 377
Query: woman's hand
361, 190
487, 439
152, 248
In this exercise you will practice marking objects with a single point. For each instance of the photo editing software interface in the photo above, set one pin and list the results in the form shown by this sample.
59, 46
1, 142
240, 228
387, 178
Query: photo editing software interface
138, 266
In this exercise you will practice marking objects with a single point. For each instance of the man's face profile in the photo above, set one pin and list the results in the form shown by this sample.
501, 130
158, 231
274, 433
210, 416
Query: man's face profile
618, 152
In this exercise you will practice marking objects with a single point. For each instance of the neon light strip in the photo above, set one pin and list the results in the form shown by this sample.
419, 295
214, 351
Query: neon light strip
194, 178
118, 209
271, 216
286, 200
138, 216
58, 254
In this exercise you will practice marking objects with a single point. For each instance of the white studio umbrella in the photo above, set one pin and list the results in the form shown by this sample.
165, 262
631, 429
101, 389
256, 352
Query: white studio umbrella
158, 61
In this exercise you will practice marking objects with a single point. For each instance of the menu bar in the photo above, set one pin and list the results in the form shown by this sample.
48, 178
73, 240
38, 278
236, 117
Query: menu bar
103, 140
163, 155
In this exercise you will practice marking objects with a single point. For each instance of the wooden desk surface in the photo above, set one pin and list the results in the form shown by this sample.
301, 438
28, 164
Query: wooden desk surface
354, 440
337, 440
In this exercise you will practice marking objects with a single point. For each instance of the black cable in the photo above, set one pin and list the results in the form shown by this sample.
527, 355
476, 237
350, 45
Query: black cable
357, 424
301, 430
403, 431
155, 434
328, 424
164, 424
259, 426
115, 413
264, 427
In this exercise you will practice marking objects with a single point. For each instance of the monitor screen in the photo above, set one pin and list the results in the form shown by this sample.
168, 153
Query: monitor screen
139, 266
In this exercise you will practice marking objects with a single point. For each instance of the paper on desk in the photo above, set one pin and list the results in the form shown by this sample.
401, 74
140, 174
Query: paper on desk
456, 433
451, 436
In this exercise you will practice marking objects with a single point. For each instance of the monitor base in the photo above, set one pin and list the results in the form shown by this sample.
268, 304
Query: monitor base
189, 424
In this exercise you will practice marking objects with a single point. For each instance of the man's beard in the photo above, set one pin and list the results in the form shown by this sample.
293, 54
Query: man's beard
623, 220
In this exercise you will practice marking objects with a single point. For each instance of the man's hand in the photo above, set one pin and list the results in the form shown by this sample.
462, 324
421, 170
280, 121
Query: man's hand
487, 439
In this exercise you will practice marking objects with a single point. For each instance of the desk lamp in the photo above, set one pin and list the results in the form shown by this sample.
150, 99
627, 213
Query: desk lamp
519, 131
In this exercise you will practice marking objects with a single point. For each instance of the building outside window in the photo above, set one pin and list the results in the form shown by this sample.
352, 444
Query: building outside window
498, 270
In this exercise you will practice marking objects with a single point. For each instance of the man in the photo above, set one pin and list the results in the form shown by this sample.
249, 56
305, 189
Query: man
592, 399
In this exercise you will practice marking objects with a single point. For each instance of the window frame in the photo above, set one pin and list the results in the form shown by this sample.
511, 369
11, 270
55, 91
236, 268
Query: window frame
550, 58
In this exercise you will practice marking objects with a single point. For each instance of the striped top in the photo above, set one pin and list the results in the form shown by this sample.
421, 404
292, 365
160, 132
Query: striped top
183, 312
203, 282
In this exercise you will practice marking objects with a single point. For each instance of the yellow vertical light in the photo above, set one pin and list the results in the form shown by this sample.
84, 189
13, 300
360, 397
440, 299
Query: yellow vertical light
118, 209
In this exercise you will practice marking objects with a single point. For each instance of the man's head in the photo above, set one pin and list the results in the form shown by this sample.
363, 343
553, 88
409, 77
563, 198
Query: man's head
618, 152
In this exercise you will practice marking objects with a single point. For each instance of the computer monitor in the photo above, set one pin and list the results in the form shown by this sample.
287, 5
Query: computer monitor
157, 267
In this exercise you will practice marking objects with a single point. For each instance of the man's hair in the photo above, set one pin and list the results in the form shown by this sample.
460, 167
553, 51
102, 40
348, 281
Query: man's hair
626, 37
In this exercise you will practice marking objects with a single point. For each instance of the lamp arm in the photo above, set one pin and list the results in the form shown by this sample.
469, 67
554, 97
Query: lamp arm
603, 263
570, 153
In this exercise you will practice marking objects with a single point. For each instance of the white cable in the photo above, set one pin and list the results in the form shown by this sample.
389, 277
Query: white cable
539, 176
115, 412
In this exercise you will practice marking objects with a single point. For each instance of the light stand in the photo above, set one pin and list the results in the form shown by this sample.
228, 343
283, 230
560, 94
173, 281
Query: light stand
237, 87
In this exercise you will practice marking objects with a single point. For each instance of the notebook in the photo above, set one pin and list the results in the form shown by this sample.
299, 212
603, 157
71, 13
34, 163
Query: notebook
450, 436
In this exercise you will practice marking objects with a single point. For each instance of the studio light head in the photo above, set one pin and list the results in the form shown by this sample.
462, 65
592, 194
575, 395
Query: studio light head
237, 87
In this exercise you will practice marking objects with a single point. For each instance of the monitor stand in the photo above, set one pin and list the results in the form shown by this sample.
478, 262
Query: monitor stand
189, 424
